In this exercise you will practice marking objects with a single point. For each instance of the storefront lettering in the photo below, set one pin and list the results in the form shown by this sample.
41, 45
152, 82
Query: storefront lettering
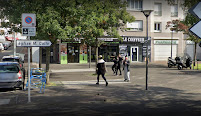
165, 42
133, 39
107, 39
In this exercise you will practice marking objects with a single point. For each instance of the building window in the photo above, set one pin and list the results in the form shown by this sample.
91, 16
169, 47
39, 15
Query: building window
158, 9
134, 4
157, 27
174, 10
135, 26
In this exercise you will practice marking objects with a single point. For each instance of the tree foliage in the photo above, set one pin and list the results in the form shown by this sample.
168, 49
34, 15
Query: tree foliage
64, 19
70, 18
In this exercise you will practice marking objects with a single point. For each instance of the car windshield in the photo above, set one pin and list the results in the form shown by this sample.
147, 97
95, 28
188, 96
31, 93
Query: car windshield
9, 69
11, 59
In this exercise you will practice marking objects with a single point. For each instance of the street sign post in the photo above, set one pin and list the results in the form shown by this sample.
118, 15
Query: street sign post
196, 10
33, 43
28, 31
28, 20
195, 29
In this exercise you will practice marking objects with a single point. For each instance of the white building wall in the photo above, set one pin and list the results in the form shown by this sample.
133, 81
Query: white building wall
165, 34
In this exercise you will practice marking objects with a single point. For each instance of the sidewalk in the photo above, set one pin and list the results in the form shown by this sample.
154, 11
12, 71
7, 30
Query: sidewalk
170, 92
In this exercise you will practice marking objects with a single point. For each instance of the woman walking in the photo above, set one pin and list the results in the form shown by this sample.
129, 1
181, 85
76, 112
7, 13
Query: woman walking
126, 68
101, 69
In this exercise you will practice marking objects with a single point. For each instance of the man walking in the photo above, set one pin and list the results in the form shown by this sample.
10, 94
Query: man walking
119, 62
126, 68
114, 66
101, 69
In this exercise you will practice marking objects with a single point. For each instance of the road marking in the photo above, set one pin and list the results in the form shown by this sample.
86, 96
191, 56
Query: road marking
4, 101
110, 81
73, 70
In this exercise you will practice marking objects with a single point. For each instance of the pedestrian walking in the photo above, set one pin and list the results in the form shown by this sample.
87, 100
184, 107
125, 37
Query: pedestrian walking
114, 66
126, 68
119, 63
101, 69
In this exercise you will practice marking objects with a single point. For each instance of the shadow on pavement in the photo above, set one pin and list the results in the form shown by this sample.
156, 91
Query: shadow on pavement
111, 100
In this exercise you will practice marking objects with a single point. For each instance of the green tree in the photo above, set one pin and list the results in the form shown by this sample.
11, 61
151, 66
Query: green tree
51, 22
68, 19
97, 18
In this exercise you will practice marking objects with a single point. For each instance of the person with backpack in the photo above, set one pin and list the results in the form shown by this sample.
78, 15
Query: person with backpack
101, 70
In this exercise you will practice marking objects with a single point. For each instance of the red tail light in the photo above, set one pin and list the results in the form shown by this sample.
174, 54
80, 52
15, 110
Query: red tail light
19, 75
20, 65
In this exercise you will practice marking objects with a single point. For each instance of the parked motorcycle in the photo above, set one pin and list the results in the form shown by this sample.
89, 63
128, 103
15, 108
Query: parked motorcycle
171, 62
183, 62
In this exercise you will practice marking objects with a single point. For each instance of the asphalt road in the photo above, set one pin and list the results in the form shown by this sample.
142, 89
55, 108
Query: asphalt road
10, 51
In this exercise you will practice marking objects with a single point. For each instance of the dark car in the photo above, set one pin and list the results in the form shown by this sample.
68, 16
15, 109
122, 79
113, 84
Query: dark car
13, 59
11, 75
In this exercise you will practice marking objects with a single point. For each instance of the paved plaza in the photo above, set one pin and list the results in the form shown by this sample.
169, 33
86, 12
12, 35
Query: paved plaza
72, 91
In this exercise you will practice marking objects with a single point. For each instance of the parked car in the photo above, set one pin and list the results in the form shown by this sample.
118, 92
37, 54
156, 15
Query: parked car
6, 44
1, 46
12, 58
11, 75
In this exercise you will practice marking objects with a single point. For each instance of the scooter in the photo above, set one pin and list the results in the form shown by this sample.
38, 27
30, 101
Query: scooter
171, 62
183, 63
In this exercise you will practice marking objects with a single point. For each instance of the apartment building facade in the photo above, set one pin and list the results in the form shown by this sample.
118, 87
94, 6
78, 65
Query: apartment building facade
159, 37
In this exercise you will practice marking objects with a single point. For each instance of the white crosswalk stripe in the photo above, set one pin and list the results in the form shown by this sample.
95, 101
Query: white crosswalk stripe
74, 70
110, 81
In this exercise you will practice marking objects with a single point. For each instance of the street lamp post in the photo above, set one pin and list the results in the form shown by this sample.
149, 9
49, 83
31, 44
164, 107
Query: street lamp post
146, 14
171, 41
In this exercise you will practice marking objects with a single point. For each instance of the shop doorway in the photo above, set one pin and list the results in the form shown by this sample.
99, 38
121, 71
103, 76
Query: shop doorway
134, 53
73, 53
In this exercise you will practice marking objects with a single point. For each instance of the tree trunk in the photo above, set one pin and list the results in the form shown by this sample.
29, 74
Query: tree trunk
96, 50
40, 57
47, 63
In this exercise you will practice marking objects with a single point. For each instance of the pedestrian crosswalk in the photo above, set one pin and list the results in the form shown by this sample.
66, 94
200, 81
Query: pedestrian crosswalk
84, 84
92, 82
74, 70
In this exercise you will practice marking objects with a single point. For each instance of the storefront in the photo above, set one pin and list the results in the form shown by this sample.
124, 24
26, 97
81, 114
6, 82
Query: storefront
73, 52
109, 49
134, 47
162, 49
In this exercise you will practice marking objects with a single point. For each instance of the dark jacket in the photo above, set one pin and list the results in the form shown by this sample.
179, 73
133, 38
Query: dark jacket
119, 62
101, 69
115, 62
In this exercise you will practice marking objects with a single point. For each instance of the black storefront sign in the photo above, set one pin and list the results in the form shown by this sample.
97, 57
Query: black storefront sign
133, 39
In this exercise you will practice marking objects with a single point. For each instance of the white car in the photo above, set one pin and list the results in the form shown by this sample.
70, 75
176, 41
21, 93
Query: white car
1, 47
